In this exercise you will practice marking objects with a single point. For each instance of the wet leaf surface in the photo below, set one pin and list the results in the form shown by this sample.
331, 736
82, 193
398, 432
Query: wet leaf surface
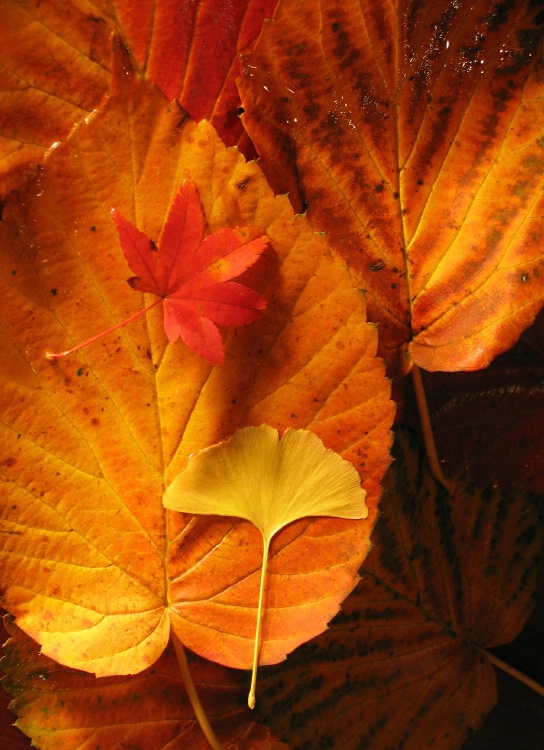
414, 133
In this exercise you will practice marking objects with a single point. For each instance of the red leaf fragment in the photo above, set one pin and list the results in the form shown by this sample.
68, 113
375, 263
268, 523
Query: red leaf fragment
192, 275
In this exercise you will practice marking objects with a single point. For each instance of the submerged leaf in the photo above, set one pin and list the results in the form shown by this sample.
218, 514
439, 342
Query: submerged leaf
271, 483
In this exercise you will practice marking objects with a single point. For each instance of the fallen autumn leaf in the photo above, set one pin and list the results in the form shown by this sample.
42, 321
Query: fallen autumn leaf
270, 482
90, 444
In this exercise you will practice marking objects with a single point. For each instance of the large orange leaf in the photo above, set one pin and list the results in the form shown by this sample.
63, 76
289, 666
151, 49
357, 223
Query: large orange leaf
92, 567
414, 131
60, 707
55, 63
401, 665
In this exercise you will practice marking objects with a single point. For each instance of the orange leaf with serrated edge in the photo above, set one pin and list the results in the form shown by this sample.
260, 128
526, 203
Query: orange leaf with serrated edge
414, 132
55, 65
54, 704
97, 572
401, 665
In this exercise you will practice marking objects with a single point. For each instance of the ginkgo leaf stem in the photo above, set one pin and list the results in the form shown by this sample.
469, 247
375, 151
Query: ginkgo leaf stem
258, 629
427, 430
193, 695
513, 672
49, 355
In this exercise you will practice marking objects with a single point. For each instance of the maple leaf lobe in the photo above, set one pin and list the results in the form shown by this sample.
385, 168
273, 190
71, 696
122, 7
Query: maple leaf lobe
192, 274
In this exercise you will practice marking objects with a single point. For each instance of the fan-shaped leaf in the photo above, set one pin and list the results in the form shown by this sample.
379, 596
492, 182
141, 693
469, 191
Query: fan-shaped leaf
270, 482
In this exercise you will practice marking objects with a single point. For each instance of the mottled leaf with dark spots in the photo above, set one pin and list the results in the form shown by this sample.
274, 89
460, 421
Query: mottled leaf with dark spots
414, 132
401, 664
63, 708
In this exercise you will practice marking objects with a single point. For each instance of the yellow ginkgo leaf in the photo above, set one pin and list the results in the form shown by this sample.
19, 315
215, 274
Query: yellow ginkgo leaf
270, 482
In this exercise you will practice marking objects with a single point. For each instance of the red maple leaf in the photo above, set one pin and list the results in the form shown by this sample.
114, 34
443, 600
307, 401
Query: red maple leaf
191, 275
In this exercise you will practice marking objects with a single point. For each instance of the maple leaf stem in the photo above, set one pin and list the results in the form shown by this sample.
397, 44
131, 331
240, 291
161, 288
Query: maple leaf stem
193, 695
251, 696
427, 429
49, 355
513, 672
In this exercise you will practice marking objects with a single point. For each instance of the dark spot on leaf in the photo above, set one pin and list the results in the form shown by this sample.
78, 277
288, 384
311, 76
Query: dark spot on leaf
79, 373
497, 16
14, 273
527, 537
241, 185
524, 278
182, 120
9, 462
95, 421
534, 163
312, 110
93, 229
377, 266
53, 292
379, 188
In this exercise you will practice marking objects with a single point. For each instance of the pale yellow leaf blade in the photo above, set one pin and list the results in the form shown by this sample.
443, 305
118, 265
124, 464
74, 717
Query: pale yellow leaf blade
268, 481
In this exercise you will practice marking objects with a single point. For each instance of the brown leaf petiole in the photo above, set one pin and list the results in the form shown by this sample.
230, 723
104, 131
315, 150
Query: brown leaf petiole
427, 430
193, 695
